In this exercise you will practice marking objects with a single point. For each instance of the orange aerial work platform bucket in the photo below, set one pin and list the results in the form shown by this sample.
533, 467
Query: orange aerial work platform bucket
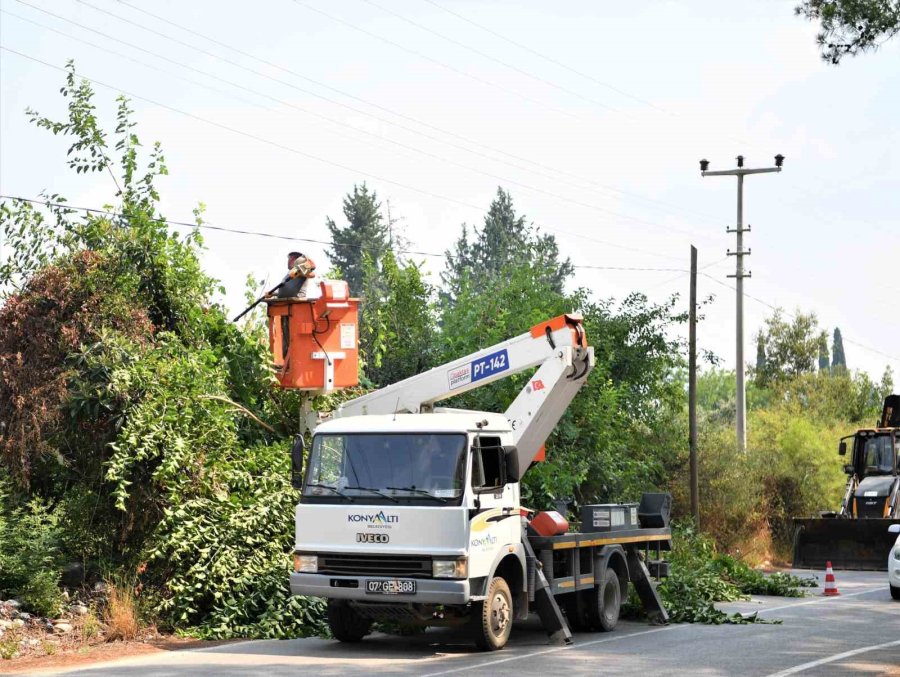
315, 341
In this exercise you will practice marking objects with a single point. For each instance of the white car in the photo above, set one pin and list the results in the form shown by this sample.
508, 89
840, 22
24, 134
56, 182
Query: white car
894, 563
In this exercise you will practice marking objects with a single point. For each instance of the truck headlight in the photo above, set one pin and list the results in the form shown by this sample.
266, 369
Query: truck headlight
897, 553
450, 568
306, 564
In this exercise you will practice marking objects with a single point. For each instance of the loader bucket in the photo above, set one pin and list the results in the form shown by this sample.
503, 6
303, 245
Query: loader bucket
861, 544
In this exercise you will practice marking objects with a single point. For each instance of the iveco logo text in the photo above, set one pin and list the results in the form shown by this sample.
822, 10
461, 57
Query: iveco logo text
378, 518
372, 538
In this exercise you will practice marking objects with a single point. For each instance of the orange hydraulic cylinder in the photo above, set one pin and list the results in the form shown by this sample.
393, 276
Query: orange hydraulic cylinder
315, 342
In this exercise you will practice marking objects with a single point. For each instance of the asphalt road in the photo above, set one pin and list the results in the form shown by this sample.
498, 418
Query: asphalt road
856, 633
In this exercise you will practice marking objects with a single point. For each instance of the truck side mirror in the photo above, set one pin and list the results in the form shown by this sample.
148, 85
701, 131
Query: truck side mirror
842, 448
511, 460
894, 529
297, 462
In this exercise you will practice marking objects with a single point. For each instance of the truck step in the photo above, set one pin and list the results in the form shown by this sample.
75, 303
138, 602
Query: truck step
658, 568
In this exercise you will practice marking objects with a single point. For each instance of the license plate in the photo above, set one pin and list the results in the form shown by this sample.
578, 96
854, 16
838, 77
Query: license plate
392, 587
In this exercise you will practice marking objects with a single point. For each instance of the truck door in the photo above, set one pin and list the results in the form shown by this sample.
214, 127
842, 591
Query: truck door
494, 522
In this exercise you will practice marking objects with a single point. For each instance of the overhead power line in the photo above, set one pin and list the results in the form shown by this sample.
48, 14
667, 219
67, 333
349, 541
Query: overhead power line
121, 55
489, 57
550, 194
383, 139
438, 62
252, 136
774, 307
543, 169
311, 156
275, 236
550, 59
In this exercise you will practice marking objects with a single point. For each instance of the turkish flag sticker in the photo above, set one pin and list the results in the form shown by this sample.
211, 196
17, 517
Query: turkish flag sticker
537, 384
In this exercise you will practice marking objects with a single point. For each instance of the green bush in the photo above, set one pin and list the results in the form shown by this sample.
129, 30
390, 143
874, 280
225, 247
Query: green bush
790, 469
30, 557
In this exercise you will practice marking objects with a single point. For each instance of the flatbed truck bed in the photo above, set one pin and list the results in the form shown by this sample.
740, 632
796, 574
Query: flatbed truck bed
571, 577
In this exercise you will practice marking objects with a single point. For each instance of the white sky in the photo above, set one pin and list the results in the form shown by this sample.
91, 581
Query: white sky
605, 141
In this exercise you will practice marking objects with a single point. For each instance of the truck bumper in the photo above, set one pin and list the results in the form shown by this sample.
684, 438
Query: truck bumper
428, 590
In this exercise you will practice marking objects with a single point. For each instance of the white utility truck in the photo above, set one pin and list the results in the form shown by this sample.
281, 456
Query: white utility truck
410, 513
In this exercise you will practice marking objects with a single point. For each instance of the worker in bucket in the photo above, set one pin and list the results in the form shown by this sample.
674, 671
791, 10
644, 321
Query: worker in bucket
300, 269
294, 287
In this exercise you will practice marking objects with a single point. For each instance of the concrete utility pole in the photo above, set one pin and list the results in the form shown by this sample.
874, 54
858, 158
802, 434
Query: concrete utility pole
692, 392
739, 275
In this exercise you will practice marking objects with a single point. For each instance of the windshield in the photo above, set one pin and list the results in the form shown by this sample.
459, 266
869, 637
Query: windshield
878, 456
383, 466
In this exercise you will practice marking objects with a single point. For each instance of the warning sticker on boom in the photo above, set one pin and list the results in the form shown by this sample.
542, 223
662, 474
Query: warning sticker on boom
477, 370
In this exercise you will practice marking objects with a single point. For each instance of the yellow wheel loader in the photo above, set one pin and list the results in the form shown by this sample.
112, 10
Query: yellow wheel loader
856, 536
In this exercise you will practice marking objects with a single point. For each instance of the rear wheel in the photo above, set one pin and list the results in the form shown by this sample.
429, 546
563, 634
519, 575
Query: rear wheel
345, 622
491, 621
895, 592
605, 600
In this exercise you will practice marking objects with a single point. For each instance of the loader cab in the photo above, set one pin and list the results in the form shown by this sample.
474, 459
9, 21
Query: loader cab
874, 453
874, 468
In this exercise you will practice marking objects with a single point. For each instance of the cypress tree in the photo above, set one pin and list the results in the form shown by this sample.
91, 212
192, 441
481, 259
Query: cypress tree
838, 360
823, 353
760, 355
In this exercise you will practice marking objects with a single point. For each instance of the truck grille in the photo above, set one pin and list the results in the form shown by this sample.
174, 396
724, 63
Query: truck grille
406, 566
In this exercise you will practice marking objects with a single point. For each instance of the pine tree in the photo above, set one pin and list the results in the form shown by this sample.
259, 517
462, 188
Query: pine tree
823, 353
838, 360
506, 240
366, 233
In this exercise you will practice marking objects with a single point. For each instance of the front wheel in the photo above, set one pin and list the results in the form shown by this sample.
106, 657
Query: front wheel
345, 622
491, 620
895, 592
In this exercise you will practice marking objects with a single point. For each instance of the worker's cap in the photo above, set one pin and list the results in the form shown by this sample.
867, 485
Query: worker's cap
294, 255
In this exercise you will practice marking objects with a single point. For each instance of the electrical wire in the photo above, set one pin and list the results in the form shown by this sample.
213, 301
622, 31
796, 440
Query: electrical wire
550, 59
793, 315
330, 120
143, 63
240, 231
317, 158
536, 189
555, 171
487, 56
202, 225
437, 62
252, 136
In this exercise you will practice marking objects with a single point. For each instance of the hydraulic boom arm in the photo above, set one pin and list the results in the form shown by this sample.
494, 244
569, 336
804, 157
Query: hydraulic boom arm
558, 347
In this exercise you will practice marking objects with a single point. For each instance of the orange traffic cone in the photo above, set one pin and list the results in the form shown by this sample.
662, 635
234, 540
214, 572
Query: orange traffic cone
830, 586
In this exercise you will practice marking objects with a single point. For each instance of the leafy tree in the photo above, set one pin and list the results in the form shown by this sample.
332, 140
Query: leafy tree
823, 353
838, 360
851, 27
506, 240
621, 432
886, 387
791, 347
397, 337
366, 233
133, 406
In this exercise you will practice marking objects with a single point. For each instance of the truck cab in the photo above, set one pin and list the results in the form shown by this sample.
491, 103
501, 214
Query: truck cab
409, 518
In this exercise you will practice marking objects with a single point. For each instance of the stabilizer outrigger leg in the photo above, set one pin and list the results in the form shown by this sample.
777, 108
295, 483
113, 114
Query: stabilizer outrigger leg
646, 590
548, 610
